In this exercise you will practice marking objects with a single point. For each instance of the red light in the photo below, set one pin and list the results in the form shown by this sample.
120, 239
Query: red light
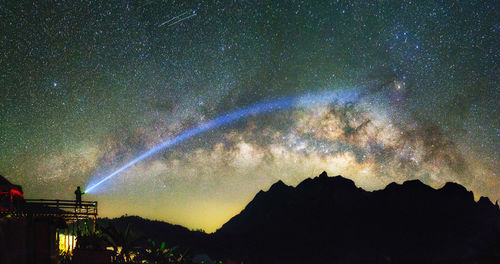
16, 192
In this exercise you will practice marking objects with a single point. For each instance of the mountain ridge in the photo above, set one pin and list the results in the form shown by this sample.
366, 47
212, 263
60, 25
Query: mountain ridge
331, 220
340, 219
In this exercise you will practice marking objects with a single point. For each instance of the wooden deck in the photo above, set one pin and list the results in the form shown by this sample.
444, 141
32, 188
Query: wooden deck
67, 209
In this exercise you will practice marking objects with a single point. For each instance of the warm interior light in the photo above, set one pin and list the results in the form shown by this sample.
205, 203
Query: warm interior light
67, 243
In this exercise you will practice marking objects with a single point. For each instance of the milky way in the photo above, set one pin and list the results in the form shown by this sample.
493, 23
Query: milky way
87, 86
229, 118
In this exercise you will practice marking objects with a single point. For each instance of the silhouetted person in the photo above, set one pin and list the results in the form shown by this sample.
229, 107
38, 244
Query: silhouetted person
78, 194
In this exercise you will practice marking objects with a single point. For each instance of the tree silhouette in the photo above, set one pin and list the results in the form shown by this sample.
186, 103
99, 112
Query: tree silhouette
125, 240
158, 253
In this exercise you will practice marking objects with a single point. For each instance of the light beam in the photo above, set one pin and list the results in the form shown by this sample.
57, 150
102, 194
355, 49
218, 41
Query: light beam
307, 100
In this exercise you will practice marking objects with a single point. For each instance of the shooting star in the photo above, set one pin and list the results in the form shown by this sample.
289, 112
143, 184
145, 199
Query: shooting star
179, 18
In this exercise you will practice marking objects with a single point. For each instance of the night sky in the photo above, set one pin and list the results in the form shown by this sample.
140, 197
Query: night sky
86, 86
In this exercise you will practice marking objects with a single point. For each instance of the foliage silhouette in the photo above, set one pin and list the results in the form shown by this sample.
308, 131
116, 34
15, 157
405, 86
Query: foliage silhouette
124, 242
158, 253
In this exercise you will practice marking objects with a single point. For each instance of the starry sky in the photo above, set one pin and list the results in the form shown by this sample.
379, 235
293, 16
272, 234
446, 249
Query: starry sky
86, 86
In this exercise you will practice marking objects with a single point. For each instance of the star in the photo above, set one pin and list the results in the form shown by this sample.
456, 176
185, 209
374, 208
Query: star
87, 92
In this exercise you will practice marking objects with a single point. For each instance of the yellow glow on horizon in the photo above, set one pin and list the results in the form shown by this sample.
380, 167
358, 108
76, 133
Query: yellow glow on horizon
208, 215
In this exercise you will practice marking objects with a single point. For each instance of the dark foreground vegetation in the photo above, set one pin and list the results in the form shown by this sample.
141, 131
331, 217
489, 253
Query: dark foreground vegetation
329, 220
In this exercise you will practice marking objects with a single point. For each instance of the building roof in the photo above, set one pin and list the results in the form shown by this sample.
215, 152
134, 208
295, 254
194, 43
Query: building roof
4, 181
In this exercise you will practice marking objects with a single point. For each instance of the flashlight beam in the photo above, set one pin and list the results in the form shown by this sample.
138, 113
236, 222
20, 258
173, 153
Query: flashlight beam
259, 108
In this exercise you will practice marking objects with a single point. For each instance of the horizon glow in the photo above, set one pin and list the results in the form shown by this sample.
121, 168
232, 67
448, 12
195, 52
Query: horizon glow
342, 97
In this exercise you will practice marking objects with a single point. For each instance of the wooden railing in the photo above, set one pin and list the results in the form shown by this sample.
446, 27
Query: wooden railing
68, 209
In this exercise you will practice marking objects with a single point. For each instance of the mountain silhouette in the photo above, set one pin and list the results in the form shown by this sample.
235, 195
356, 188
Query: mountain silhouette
330, 220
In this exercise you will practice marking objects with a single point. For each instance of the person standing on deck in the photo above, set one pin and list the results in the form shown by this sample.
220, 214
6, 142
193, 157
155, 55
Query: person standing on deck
78, 194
